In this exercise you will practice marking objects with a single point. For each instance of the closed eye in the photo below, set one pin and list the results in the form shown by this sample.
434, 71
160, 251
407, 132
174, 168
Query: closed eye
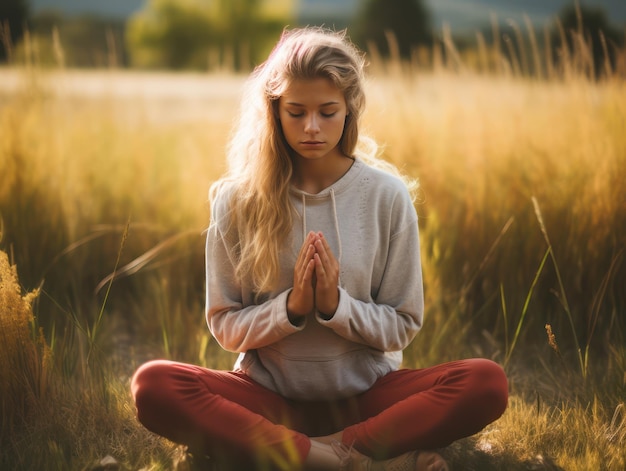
301, 114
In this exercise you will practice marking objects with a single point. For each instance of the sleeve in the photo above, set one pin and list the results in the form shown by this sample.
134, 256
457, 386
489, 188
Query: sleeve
392, 320
235, 326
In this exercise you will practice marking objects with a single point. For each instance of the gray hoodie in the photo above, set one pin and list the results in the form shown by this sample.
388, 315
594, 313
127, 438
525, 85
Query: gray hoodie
371, 225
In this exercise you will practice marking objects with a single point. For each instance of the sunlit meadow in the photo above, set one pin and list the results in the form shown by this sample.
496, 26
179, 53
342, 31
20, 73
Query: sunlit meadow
103, 203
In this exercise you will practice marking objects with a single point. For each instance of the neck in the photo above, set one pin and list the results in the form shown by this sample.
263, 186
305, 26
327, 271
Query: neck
314, 176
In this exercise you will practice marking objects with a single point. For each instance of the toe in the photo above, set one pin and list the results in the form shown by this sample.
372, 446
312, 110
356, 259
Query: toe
431, 461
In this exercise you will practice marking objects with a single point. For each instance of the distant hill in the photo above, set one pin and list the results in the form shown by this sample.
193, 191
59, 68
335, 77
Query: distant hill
465, 15
461, 15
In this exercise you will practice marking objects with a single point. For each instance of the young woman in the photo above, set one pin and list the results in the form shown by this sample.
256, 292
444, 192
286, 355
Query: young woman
313, 275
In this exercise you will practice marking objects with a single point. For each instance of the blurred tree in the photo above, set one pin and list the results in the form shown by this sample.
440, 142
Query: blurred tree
13, 18
170, 34
586, 29
74, 41
408, 20
202, 34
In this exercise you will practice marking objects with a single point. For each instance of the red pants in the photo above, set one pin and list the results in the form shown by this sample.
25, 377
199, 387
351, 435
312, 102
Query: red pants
228, 416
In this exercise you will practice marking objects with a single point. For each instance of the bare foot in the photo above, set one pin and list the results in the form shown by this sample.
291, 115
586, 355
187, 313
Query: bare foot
412, 461
430, 461
328, 439
352, 460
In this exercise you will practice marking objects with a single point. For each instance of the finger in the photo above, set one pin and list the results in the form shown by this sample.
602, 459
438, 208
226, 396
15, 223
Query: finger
320, 270
325, 244
325, 252
327, 268
304, 270
306, 250
309, 271
308, 240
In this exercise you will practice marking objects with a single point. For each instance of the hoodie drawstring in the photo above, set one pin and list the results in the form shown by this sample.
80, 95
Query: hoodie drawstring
332, 197
303, 216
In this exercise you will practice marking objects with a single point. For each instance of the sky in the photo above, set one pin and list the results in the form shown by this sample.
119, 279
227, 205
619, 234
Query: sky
460, 15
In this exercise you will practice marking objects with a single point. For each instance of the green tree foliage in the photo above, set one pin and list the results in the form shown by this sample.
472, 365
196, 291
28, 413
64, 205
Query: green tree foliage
13, 17
586, 28
169, 33
408, 20
181, 34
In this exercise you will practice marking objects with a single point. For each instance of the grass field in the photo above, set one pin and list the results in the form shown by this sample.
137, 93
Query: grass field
523, 224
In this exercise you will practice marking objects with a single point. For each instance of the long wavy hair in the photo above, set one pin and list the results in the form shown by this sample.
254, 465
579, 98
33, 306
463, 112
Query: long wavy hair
259, 158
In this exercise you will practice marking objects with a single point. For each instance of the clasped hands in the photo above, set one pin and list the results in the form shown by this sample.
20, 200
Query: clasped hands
315, 279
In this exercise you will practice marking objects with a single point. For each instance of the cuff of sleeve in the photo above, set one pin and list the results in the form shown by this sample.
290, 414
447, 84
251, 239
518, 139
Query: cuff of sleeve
342, 314
281, 318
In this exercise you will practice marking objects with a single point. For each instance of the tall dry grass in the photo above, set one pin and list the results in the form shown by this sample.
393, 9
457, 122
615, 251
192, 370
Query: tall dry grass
24, 357
483, 149
74, 170
522, 219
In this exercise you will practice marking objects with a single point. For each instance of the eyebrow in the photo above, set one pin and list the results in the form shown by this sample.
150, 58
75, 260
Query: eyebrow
329, 103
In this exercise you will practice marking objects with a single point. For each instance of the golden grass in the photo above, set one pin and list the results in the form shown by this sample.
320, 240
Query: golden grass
538, 436
24, 356
50, 421
81, 152
483, 148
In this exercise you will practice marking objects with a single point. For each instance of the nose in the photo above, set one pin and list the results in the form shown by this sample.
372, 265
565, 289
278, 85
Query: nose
311, 125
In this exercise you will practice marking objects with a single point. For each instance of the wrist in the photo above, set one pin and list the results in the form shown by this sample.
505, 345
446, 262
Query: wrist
328, 308
295, 319
328, 312
295, 315
324, 316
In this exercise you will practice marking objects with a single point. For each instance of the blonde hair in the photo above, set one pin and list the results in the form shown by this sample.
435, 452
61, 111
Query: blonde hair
259, 158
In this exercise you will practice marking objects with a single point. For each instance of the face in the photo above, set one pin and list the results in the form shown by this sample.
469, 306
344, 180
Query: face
312, 115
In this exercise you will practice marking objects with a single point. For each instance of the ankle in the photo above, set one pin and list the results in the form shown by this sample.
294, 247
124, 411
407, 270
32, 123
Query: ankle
326, 457
412, 461
351, 459
328, 439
